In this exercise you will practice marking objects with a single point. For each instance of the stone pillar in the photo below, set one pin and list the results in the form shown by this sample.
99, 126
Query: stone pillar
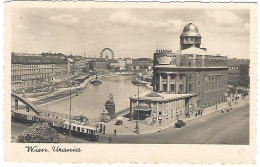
16, 104
155, 81
163, 110
184, 83
157, 113
160, 83
131, 107
177, 84
194, 61
168, 83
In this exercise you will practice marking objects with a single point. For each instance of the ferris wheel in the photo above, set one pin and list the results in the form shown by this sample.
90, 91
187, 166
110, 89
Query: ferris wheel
107, 56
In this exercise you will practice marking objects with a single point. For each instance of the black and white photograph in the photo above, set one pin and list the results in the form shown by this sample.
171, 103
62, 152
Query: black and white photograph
130, 75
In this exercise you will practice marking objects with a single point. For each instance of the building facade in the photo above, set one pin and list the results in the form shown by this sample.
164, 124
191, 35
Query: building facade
184, 81
34, 69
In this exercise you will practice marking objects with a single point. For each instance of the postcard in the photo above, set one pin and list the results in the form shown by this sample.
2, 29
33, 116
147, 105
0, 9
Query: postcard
109, 82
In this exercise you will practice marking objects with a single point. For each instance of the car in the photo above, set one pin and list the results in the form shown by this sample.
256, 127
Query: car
180, 124
119, 122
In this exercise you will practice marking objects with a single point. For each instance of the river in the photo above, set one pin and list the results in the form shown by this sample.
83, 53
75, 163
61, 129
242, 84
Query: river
91, 102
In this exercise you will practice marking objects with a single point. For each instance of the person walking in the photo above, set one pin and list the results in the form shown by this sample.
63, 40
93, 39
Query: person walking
110, 139
114, 132
223, 110
104, 129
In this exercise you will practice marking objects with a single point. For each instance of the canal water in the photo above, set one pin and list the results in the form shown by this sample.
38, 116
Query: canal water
91, 101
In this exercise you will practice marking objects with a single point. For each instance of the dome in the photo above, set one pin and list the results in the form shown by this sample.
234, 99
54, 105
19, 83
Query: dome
190, 30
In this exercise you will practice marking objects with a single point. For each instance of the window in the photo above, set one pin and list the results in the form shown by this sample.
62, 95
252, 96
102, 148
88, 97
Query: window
190, 88
164, 87
189, 63
74, 127
181, 87
191, 39
78, 129
190, 78
172, 87
82, 129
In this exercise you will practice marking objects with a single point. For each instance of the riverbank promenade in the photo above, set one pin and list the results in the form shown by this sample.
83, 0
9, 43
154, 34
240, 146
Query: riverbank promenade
128, 127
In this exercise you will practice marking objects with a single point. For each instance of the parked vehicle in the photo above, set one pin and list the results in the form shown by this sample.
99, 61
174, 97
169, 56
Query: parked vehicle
119, 121
180, 124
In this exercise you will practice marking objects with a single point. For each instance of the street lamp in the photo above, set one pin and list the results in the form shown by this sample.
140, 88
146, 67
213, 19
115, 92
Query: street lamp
137, 123
70, 115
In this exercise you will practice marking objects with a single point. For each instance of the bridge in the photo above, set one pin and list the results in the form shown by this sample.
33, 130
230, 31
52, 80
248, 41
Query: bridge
28, 104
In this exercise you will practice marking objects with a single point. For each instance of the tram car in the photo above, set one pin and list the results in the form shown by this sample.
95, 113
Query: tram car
77, 128
83, 131
86, 132
23, 117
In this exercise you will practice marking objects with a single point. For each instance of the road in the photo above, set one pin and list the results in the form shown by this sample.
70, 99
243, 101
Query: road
215, 128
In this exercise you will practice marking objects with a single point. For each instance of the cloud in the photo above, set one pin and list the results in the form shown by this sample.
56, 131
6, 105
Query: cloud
64, 20
226, 22
20, 27
123, 18
44, 33
223, 18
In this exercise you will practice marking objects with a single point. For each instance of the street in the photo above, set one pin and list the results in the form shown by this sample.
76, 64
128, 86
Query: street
216, 128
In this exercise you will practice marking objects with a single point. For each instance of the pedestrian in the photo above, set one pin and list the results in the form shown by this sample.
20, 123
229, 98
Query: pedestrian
104, 129
114, 132
110, 139
216, 107
223, 110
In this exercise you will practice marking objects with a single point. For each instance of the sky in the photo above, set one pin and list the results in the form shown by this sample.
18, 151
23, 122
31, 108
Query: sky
129, 32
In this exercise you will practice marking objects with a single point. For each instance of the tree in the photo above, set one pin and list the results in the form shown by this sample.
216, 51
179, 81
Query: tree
117, 69
39, 133
84, 70
109, 67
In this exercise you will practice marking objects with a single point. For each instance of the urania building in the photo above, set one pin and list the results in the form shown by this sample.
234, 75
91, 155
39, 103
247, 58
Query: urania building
184, 81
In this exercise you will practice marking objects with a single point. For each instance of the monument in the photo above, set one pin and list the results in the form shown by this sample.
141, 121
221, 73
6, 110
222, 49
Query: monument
110, 105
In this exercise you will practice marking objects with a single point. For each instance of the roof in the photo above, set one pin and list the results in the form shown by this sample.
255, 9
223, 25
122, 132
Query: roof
196, 51
99, 60
81, 126
142, 108
57, 60
37, 60
153, 94
162, 96
237, 62
30, 60
112, 61
70, 60
190, 30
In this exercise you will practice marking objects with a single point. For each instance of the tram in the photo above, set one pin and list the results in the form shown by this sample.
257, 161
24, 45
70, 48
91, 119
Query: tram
78, 129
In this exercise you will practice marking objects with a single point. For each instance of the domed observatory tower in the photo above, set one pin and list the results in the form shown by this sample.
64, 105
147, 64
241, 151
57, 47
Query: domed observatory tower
190, 37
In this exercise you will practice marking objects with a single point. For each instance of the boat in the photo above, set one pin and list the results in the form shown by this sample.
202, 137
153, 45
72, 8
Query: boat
139, 81
96, 81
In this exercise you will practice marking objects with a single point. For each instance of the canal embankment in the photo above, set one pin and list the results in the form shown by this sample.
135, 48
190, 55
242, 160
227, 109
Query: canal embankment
64, 93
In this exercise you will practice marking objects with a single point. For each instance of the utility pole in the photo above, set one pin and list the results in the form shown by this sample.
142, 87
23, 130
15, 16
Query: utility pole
137, 128
70, 116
